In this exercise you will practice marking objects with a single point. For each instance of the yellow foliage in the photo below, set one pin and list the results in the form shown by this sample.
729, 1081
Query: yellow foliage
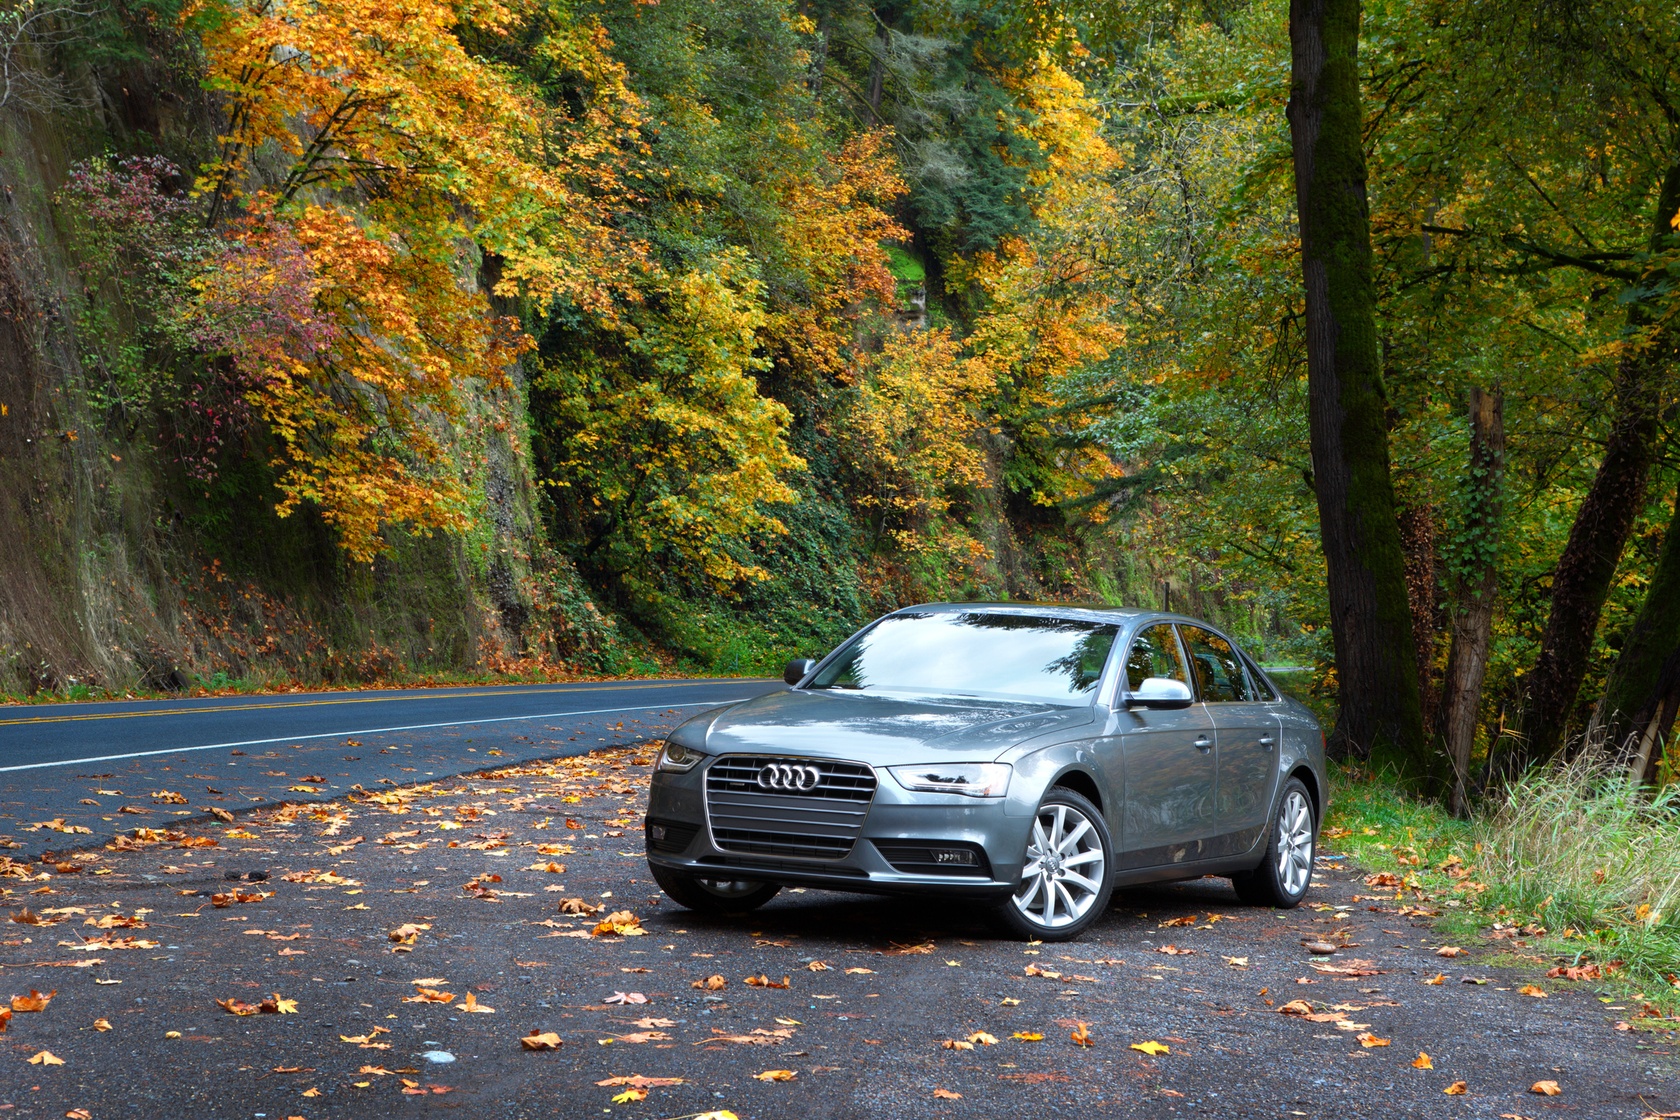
670, 439
914, 431
442, 153
833, 225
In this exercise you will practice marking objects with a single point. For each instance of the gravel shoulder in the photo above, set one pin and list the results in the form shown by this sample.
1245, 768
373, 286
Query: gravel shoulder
358, 906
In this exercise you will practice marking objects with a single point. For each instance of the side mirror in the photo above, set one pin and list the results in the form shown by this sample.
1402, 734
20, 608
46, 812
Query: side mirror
1160, 693
797, 670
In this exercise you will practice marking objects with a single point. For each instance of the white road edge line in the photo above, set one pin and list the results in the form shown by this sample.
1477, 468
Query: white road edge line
364, 731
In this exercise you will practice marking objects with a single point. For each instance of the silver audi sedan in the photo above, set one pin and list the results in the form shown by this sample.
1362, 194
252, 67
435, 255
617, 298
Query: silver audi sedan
1029, 757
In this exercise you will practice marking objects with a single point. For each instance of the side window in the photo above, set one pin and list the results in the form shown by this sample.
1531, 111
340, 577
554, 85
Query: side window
1262, 690
1218, 668
1154, 653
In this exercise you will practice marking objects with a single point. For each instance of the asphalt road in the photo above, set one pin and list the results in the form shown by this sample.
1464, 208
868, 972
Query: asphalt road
356, 908
242, 751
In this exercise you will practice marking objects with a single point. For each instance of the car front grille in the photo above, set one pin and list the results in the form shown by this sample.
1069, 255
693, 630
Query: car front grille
822, 822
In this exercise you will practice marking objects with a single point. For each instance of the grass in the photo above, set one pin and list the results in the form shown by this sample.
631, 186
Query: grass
222, 684
1577, 866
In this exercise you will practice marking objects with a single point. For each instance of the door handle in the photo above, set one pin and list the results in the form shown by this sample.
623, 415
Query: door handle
1203, 743
1267, 741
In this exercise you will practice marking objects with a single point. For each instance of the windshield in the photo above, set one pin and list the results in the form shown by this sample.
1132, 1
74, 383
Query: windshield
1052, 660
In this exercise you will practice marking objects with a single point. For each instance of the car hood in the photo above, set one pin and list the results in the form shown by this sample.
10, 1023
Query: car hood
884, 730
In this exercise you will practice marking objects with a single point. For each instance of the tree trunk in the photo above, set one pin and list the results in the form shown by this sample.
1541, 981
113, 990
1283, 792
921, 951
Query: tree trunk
1638, 712
1475, 580
1581, 581
1365, 571
1417, 543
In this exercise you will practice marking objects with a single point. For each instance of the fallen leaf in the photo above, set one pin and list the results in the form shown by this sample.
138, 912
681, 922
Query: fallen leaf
1296, 1007
625, 997
654, 1024
775, 1075
621, 923
1438, 979
366, 1041
541, 1040
817, 966
470, 1004
981, 1038
102, 1025
758, 1037
940, 1095
639, 1082
1450, 951
1028, 1036
78, 1114
630, 1095
1034, 970
46, 1058
1081, 1035
860, 972
1456, 1089
34, 1001
1152, 1048
406, 935
1545, 1088
1533, 990
1369, 1040
237, 1006
711, 984
762, 981
1237, 962
578, 906
956, 1044
374, 1071
1422, 1061
429, 995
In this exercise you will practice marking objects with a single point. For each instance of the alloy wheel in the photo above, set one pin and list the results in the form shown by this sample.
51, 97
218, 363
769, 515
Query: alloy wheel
1295, 843
1065, 868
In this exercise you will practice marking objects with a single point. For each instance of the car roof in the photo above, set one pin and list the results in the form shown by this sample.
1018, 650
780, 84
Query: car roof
1088, 612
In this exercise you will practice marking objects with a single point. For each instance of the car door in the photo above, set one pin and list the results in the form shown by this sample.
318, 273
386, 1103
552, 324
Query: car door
1246, 732
1169, 761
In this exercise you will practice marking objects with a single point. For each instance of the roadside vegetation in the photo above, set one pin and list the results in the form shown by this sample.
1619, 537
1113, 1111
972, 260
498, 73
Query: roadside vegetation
1575, 872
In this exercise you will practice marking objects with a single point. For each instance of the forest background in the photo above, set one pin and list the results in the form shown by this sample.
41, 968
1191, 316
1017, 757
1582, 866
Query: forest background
344, 341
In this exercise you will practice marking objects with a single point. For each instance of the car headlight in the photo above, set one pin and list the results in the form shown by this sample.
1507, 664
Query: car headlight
678, 758
971, 779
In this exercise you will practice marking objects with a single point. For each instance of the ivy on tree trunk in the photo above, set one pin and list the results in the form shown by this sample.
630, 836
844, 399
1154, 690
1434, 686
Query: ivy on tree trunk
1371, 623
1475, 582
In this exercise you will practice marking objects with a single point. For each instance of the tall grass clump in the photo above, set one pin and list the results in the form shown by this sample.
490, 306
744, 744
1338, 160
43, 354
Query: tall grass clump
1595, 856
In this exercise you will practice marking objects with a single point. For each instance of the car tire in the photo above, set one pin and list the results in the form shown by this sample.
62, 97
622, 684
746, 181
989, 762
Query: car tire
713, 896
1285, 872
1070, 831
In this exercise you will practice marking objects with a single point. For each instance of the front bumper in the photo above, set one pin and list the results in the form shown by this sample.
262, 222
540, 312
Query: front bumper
893, 854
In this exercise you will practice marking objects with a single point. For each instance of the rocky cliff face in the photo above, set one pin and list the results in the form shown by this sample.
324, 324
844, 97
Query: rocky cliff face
118, 569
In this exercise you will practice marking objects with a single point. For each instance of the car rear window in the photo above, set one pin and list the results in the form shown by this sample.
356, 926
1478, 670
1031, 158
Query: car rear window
963, 653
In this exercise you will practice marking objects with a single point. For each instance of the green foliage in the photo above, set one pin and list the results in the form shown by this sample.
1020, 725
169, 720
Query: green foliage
1583, 853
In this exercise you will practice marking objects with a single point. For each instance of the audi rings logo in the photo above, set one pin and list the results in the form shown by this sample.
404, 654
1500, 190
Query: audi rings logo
785, 777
